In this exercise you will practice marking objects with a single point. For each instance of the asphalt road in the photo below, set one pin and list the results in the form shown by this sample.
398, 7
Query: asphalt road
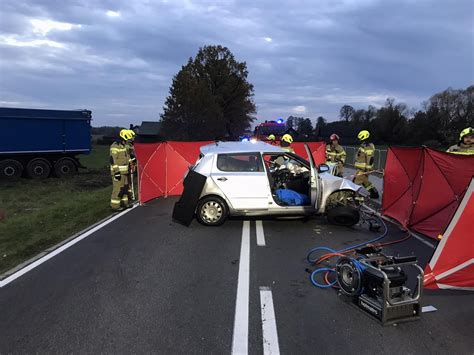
144, 284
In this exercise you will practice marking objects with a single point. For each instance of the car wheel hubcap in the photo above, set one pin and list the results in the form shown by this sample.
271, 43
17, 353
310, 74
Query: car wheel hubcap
211, 212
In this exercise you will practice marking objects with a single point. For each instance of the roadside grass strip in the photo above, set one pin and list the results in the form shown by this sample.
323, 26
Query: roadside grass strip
60, 249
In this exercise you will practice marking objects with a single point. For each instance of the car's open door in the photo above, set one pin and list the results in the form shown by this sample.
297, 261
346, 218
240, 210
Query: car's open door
313, 179
183, 211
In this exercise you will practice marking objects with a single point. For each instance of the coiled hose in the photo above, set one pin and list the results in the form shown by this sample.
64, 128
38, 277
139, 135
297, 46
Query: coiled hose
330, 253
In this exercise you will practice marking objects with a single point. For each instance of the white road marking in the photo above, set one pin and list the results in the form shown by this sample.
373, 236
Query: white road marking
260, 234
269, 327
415, 235
55, 252
241, 321
426, 309
422, 240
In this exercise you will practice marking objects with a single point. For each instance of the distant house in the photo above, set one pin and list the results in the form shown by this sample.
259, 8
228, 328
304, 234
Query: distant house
149, 132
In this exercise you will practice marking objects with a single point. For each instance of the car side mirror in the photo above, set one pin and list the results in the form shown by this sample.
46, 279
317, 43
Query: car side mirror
323, 168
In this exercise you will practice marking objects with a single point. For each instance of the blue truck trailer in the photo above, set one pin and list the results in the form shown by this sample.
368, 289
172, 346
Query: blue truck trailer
39, 143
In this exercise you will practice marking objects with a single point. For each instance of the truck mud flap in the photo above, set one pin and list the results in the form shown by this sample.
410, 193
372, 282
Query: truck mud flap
183, 211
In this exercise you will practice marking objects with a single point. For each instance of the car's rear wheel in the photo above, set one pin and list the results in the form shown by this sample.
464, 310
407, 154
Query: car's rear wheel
343, 215
212, 211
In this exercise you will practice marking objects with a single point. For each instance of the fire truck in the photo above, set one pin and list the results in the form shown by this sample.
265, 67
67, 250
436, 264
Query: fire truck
277, 128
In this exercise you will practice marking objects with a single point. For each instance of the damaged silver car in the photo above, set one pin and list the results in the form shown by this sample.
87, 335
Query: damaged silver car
259, 179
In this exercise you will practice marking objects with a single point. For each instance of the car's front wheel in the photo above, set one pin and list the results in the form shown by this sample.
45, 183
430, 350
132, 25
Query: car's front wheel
211, 211
343, 215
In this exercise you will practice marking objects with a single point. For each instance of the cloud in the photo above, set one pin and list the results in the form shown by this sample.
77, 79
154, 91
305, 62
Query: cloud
111, 13
42, 27
118, 57
299, 109
12, 41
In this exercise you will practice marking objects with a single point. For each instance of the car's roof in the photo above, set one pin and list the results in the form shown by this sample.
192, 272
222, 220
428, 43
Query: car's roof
240, 147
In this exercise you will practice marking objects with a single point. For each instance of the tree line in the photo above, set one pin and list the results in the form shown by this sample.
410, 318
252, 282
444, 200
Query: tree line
437, 124
210, 98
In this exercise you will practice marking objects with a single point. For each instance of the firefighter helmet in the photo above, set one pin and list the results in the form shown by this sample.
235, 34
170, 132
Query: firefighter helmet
466, 132
363, 135
334, 137
271, 137
287, 138
126, 135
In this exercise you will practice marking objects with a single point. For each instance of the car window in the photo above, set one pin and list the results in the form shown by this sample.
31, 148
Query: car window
243, 162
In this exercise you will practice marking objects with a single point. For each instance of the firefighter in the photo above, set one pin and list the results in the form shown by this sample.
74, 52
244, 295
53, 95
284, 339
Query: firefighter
335, 154
364, 162
271, 139
120, 169
465, 145
285, 143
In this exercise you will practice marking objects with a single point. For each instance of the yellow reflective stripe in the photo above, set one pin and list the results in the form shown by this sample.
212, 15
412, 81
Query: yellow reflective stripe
123, 168
463, 153
360, 165
118, 149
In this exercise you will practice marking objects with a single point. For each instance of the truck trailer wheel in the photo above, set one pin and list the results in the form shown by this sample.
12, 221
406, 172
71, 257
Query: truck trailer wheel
343, 215
10, 169
38, 168
65, 167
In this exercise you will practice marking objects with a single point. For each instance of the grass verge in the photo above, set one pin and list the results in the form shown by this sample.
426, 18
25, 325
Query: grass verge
39, 214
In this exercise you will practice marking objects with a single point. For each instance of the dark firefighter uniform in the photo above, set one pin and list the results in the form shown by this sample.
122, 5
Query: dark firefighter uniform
120, 169
336, 154
364, 162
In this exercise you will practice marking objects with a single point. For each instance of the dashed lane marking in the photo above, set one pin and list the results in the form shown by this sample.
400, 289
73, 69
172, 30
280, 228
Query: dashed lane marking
260, 234
269, 326
241, 319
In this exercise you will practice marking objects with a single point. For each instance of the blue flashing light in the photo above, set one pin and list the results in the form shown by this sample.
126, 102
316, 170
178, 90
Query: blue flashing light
245, 139
280, 120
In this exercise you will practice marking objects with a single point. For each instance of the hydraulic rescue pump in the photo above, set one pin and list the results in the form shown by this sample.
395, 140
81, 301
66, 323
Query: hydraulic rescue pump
377, 284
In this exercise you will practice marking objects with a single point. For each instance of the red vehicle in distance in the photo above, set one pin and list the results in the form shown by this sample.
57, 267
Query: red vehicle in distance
277, 128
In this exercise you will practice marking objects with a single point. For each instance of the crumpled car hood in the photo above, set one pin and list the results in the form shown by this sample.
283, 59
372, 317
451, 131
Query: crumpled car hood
331, 183
336, 183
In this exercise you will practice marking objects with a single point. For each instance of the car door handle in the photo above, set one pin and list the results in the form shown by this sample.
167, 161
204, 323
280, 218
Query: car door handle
222, 179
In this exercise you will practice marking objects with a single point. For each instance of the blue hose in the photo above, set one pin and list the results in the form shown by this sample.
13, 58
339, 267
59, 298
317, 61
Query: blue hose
359, 266
317, 284
312, 251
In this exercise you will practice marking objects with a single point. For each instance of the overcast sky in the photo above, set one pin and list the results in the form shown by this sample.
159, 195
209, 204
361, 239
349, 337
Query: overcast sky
305, 58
